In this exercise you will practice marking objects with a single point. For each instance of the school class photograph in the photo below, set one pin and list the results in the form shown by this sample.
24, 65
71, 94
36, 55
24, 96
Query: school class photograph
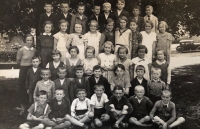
99, 64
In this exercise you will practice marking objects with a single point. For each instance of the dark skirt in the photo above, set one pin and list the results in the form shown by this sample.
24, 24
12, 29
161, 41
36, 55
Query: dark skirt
23, 96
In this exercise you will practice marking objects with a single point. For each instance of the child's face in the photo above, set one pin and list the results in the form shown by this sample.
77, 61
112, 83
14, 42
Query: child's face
73, 53
106, 8
149, 11
96, 10
63, 27
47, 28
35, 62
122, 24
140, 73
156, 75
29, 42
81, 95
99, 91
45, 75
110, 26
81, 10
162, 28
48, 8
79, 73
133, 26
89, 53
56, 57
139, 93
42, 99
122, 53
119, 72
141, 53
62, 73
166, 98
136, 12
59, 95
93, 27
64, 8
160, 55
78, 28
118, 94
97, 73
148, 27
107, 48
120, 5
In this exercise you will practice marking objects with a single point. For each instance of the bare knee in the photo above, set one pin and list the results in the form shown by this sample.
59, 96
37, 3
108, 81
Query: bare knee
106, 117
125, 107
67, 117
98, 123
22, 126
90, 114
49, 128
181, 119
147, 118
67, 123
112, 106
132, 120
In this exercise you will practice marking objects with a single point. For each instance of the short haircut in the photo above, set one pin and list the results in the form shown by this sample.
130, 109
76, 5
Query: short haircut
123, 1
106, 4
47, 3
142, 47
123, 18
60, 88
160, 50
89, 48
96, 5
48, 22
93, 21
80, 4
45, 69
137, 7
122, 47
80, 89
150, 22
156, 70
78, 67
167, 92
36, 57
108, 43
62, 21
56, 52
42, 92
28, 35
74, 47
64, 2
164, 23
62, 68
149, 6
118, 87
139, 87
121, 66
109, 20
97, 67
99, 85
140, 67
133, 20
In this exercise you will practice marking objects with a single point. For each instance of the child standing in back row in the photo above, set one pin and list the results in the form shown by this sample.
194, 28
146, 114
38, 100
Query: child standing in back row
60, 40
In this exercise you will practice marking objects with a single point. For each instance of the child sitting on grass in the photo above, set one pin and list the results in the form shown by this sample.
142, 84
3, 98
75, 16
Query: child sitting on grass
142, 105
37, 112
80, 108
164, 112
98, 100
118, 107
45, 84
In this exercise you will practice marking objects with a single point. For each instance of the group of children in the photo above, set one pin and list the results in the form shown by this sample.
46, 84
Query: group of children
114, 72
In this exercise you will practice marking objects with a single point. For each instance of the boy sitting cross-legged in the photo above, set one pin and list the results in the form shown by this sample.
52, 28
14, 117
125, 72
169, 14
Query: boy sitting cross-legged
98, 100
164, 112
119, 107
142, 105
37, 112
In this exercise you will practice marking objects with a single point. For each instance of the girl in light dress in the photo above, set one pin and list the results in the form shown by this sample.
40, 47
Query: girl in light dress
60, 40
72, 61
107, 60
122, 35
93, 37
141, 60
89, 62
149, 39
76, 39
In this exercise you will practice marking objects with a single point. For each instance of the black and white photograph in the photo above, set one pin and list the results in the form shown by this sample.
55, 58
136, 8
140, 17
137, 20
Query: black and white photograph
99, 64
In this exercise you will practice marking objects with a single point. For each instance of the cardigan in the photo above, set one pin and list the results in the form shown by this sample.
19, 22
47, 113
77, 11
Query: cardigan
134, 83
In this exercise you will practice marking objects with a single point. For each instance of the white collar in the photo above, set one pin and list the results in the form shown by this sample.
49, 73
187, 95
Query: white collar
160, 63
28, 48
83, 100
48, 14
65, 14
165, 104
139, 100
47, 34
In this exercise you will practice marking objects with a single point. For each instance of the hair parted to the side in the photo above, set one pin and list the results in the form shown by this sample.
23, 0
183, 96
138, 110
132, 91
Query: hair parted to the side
78, 67
99, 85
63, 21
168, 92
80, 89
97, 67
48, 23
140, 67
28, 35
142, 47
42, 92
118, 87
36, 57
56, 52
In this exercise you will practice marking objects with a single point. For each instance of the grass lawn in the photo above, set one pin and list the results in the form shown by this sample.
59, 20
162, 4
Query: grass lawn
185, 88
